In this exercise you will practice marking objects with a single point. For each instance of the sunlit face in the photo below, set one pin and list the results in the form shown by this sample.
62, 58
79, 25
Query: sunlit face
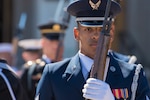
50, 47
88, 39
7, 56
30, 56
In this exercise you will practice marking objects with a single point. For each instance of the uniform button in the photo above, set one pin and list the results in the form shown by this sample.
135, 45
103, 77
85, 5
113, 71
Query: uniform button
74, 67
112, 68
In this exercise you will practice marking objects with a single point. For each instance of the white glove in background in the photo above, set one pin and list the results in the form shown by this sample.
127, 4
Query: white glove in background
95, 89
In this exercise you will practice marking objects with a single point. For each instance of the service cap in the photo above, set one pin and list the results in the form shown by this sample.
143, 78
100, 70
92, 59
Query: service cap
30, 44
6, 47
92, 12
53, 30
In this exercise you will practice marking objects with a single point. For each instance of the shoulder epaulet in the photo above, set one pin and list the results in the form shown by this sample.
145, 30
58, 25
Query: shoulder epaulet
28, 64
132, 59
40, 62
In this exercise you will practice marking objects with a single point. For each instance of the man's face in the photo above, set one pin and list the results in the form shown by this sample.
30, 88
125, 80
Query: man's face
30, 56
7, 56
88, 39
50, 48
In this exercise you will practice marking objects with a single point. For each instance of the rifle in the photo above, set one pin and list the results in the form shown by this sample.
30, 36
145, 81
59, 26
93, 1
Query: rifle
64, 20
98, 69
19, 31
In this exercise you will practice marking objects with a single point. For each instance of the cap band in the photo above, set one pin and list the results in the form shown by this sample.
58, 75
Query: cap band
6, 47
44, 31
30, 44
91, 24
53, 36
91, 19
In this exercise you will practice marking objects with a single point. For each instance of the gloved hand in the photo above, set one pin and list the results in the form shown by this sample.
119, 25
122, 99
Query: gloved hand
95, 89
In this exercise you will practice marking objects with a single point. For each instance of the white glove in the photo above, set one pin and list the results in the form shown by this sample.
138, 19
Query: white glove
95, 89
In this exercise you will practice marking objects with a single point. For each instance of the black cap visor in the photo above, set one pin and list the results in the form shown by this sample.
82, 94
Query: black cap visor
54, 36
91, 23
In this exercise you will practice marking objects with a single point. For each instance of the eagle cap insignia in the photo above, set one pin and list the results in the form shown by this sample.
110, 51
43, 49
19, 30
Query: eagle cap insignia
95, 5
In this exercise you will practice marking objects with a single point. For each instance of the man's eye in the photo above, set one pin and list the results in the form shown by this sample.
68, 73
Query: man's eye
88, 29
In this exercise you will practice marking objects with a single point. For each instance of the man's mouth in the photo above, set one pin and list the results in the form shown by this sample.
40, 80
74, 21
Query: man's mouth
94, 44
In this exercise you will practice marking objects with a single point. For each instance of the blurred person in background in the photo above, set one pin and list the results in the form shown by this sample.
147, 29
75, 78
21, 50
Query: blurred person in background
52, 37
10, 85
31, 49
52, 41
6, 52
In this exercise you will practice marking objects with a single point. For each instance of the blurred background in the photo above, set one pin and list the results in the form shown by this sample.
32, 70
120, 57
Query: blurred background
132, 26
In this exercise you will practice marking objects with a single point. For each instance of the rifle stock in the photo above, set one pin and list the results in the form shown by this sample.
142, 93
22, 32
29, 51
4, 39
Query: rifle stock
98, 68
18, 35
65, 20
19, 32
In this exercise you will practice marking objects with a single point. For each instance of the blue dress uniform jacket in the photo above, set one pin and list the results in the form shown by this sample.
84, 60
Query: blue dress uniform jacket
64, 80
10, 81
31, 76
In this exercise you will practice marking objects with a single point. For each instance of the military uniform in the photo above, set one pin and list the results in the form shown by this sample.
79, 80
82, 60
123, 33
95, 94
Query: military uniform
10, 85
31, 76
32, 50
67, 79
33, 69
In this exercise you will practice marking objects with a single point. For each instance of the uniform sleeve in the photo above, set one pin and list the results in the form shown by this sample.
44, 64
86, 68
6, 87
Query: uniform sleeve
143, 90
44, 89
16, 86
21, 94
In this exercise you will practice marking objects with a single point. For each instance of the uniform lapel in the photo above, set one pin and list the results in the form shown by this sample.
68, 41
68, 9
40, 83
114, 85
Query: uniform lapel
118, 76
118, 70
114, 72
74, 73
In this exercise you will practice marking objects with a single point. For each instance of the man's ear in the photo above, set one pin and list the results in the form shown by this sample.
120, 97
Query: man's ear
76, 33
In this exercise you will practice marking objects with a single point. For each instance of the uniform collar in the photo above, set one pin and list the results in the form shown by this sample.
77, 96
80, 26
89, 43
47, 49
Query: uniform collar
7, 67
46, 59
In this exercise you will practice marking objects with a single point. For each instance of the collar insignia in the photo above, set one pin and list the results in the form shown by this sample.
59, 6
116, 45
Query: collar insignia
93, 5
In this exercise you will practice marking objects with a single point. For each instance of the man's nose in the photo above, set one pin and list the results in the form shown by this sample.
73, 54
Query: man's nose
96, 34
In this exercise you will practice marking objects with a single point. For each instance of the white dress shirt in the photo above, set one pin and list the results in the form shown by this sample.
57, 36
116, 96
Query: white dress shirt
46, 59
86, 64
